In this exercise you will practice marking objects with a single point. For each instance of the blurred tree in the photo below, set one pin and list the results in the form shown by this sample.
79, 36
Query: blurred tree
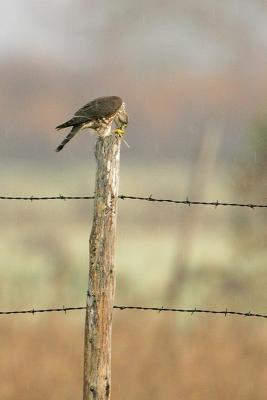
253, 166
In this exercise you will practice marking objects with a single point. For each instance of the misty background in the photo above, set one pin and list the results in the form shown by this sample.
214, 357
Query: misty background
193, 76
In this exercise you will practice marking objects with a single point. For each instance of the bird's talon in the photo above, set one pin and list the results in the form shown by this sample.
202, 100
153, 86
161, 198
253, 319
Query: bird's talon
119, 132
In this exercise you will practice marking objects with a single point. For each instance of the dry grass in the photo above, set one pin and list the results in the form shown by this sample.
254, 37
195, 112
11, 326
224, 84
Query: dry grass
154, 357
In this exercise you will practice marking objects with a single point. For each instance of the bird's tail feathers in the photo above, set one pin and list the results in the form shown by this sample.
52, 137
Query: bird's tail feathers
72, 133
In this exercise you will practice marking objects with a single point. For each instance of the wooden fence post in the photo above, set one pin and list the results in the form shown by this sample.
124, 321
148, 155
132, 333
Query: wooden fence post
101, 284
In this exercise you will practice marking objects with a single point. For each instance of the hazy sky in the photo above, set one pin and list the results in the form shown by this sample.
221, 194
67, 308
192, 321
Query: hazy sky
200, 34
47, 27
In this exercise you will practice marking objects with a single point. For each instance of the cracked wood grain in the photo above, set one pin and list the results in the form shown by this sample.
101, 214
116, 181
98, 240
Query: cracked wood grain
101, 283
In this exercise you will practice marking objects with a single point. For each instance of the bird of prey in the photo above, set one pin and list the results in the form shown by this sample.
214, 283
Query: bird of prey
98, 115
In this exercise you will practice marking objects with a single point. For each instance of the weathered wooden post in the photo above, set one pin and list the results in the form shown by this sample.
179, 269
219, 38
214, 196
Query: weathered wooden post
101, 284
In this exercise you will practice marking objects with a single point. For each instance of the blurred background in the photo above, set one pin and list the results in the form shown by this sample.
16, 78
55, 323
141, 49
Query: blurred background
193, 76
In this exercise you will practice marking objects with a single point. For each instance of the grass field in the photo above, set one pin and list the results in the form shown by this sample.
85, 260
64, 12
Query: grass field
221, 257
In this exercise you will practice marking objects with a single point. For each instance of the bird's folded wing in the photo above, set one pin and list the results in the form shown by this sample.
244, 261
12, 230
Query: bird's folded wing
73, 121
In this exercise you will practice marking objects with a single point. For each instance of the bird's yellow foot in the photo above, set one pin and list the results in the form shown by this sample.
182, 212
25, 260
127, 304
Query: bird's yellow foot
119, 131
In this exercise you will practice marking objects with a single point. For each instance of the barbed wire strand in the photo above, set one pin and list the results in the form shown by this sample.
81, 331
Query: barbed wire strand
150, 198
192, 311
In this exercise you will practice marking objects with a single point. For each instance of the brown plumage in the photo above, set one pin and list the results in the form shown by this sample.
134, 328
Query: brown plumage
98, 115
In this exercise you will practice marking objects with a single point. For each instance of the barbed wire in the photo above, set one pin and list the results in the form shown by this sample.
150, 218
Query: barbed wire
191, 311
36, 198
150, 198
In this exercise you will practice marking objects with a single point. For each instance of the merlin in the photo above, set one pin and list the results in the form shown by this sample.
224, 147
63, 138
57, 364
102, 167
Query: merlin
98, 115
